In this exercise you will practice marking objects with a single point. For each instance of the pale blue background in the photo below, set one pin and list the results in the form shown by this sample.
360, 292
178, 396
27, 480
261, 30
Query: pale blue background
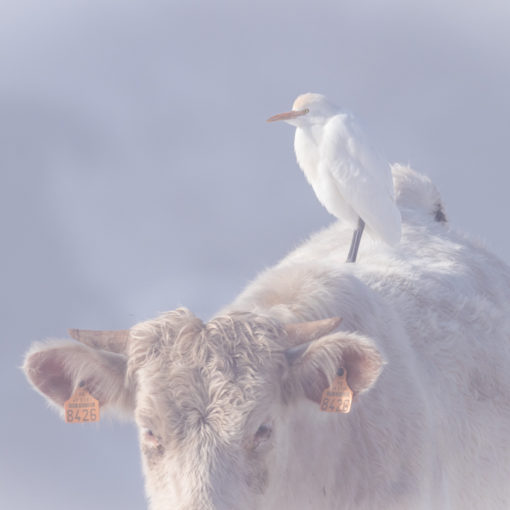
138, 173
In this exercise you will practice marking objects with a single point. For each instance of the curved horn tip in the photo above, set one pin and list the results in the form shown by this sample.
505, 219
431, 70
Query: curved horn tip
307, 331
335, 321
113, 341
303, 334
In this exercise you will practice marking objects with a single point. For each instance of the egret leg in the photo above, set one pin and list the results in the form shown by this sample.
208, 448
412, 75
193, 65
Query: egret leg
356, 238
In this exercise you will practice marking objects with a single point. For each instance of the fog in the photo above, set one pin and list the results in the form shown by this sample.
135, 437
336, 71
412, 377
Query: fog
139, 173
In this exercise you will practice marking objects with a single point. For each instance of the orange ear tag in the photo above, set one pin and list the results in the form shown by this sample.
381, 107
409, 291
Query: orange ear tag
82, 407
338, 397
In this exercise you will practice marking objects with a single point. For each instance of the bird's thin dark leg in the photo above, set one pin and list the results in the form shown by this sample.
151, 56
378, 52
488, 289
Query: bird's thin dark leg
356, 238
351, 249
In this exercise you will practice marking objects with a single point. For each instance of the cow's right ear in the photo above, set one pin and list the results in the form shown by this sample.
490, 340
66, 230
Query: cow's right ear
313, 365
57, 368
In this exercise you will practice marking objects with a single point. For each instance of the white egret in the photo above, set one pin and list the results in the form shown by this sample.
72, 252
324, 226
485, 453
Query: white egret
348, 177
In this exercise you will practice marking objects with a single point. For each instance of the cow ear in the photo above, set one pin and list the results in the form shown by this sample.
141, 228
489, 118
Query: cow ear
314, 367
57, 368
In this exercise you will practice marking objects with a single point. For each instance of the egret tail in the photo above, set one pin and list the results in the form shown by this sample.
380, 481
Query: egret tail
356, 238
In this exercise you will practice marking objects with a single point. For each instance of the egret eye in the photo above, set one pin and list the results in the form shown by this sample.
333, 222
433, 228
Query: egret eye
262, 435
307, 110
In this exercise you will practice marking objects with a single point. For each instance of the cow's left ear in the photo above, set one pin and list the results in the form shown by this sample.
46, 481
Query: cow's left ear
314, 365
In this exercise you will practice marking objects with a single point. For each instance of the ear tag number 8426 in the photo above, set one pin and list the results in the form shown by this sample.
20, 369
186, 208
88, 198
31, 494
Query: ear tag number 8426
338, 397
82, 407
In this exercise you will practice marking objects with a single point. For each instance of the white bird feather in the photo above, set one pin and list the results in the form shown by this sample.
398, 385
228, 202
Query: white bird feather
349, 178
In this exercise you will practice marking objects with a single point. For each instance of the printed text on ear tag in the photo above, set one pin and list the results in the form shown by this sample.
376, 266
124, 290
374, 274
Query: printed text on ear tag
82, 407
338, 397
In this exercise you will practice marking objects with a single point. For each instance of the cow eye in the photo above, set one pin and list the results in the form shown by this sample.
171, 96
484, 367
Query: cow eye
263, 434
149, 437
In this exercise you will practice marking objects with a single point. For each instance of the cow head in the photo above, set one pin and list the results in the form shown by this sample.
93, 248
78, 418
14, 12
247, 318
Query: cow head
208, 399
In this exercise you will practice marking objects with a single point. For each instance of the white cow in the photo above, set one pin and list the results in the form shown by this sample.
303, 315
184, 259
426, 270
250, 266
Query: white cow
228, 410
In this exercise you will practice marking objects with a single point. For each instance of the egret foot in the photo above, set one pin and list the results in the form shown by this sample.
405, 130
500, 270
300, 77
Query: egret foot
356, 238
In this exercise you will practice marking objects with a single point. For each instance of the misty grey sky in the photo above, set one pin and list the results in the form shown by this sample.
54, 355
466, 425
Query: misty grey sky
139, 173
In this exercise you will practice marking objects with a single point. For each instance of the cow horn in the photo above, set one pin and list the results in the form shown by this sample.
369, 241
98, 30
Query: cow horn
302, 334
112, 341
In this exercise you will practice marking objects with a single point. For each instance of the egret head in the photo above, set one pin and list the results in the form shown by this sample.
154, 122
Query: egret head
307, 109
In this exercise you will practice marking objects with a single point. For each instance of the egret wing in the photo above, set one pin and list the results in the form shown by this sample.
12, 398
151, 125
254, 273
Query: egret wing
361, 176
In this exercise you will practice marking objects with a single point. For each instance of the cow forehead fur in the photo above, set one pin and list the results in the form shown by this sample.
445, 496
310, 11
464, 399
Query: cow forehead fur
202, 390
196, 373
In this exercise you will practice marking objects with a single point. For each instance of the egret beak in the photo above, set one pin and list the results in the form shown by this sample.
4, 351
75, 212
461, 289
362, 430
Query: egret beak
288, 115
